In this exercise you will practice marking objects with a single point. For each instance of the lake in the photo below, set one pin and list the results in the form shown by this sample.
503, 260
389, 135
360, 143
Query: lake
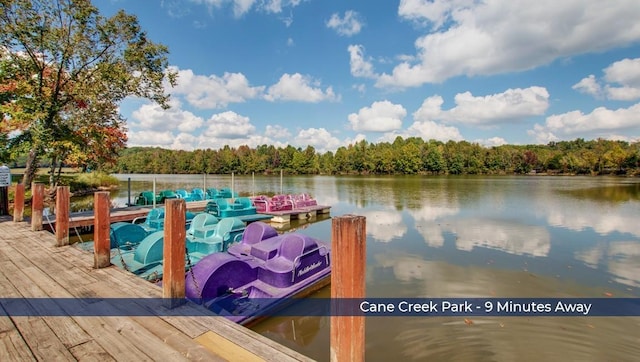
474, 236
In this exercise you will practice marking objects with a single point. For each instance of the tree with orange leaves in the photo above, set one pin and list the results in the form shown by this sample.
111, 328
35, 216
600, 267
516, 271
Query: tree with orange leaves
65, 68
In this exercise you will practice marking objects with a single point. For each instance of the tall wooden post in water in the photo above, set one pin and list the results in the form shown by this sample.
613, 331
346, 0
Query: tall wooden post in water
101, 228
173, 283
62, 215
18, 203
348, 270
37, 205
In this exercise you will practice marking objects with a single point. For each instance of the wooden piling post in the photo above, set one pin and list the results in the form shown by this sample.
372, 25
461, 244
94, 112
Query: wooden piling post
18, 203
348, 270
62, 215
173, 283
101, 229
37, 205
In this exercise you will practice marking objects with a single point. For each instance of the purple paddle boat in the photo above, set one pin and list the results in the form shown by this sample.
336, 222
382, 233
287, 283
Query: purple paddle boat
259, 274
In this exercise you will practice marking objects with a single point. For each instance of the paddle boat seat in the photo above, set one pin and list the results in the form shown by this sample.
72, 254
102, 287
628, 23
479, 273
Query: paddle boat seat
197, 194
146, 260
281, 270
126, 236
150, 249
223, 234
183, 194
226, 193
253, 233
212, 193
244, 203
147, 198
168, 194
202, 226
154, 220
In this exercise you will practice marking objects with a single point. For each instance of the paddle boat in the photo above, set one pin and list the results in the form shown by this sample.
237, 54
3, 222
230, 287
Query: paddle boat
224, 193
205, 235
259, 274
265, 203
302, 200
195, 194
146, 198
223, 208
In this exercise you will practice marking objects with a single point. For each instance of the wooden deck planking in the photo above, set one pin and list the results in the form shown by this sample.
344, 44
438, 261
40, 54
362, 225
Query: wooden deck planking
37, 268
13, 347
90, 351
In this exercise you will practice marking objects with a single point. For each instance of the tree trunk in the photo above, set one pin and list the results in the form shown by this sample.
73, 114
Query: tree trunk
31, 168
52, 171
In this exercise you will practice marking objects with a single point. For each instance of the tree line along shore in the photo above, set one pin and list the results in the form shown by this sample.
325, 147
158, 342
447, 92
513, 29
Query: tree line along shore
406, 156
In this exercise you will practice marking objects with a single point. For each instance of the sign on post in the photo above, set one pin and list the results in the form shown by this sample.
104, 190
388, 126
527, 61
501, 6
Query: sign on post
5, 182
5, 176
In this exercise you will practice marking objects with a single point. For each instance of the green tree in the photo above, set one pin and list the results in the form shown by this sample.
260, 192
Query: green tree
68, 58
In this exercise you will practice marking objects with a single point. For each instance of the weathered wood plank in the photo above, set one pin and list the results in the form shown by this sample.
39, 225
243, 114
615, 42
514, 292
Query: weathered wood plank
90, 351
226, 348
5, 322
178, 340
117, 345
250, 340
42, 341
14, 348
142, 339
65, 328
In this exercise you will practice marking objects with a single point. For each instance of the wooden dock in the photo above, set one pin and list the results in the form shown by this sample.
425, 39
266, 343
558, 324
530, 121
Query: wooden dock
307, 212
32, 267
126, 214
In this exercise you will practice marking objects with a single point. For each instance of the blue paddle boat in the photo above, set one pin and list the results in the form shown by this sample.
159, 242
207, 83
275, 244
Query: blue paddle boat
206, 234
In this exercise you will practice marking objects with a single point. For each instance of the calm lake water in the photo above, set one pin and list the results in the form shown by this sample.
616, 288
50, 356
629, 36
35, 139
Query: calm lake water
446, 237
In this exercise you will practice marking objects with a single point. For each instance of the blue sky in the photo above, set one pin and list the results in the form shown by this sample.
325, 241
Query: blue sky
328, 73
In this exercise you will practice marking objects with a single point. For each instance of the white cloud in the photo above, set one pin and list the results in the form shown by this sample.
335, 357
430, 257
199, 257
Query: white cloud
508, 106
276, 6
151, 116
432, 130
427, 130
601, 122
241, 7
229, 125
382, 116
434, 12
319, 138
150, 138
626, 73
492, 142
485, 38
296, 87
210, 92
359, 66
589, 85
348, 25
276, 131
621, 82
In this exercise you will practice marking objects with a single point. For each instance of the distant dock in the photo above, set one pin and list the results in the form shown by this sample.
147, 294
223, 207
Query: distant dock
131, 213
307, 212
